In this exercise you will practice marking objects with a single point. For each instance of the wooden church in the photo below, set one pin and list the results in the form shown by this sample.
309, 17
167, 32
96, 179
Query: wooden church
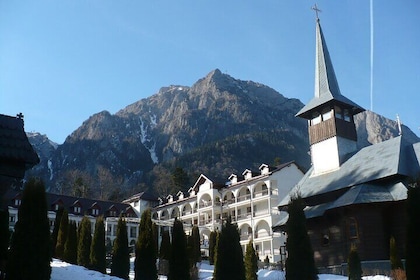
352, 196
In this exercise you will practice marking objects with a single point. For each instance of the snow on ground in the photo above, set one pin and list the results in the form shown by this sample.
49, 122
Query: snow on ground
66, 271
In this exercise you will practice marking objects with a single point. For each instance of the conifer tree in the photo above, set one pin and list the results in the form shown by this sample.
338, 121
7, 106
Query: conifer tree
54, 234
229, 262
145, 262
393, 255
62, 235
84, 243
4, 239
300, 263
354, 265
97, 250
179, 263
196, 250
165, 246
30, 251
212, 246
120, 266
70, 247
251, 262
412, 263
215, 252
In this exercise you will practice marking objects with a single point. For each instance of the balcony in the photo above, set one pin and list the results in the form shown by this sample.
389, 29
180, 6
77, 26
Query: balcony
205, 204
246, 236
261, 193
244, 197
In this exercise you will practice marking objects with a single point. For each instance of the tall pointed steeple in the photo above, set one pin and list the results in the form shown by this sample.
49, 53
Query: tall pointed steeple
326, 85
332, 132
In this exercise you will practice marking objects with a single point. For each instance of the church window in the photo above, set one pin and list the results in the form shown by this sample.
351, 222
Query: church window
346, 115
325, 239
353, 229
316, 119
338, 112
326, 115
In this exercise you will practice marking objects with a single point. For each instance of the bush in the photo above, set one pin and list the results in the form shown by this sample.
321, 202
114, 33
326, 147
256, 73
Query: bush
30, 250
354, 265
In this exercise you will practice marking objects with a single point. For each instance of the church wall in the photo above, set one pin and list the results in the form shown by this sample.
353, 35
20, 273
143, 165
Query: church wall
331, 235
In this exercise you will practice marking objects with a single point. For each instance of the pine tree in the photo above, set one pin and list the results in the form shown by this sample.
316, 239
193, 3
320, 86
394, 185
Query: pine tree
30, 251
164, 253
229, 263
412, 262
179, 179
165, 246
212, 246
354, 265
54, 234
251, 262
393, 255
120, 266
97, 250
195, 246
145, 262
62, 235
84, 243
70, 247
179, 263
4, 239
300, 263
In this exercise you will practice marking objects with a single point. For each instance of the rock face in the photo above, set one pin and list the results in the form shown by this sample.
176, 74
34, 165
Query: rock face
218, 126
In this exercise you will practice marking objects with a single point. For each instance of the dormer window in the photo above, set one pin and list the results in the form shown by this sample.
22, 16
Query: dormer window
77, 209
18, 202
95, 212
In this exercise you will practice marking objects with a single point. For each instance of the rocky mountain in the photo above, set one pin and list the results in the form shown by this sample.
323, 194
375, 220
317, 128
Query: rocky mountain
218, 126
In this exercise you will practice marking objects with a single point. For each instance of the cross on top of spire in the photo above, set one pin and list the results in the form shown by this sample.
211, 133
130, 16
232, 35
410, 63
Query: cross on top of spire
315, 8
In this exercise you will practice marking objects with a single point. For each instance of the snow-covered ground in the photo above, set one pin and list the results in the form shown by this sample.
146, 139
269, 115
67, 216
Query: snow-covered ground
65, 271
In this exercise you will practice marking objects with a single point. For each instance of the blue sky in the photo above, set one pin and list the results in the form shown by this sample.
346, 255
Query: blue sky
63, 61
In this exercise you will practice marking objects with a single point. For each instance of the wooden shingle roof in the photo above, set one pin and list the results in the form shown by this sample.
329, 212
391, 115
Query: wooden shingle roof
16, 153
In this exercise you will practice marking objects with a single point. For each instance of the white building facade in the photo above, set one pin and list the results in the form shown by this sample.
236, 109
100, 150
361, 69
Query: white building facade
250, 202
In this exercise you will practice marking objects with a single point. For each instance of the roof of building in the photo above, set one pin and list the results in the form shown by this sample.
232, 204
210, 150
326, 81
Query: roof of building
86, 204
14, 144
143, 196
392, 158
326, 85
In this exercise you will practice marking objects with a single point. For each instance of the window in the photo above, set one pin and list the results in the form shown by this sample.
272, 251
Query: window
18, 202
326, 115
133, 232
12, 219
325, 239
338, 112
77, 209
353, 229
95, 212
346, 115
316, 119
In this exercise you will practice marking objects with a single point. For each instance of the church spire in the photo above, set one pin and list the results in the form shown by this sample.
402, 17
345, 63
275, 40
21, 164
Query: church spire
326, 85
330, 115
